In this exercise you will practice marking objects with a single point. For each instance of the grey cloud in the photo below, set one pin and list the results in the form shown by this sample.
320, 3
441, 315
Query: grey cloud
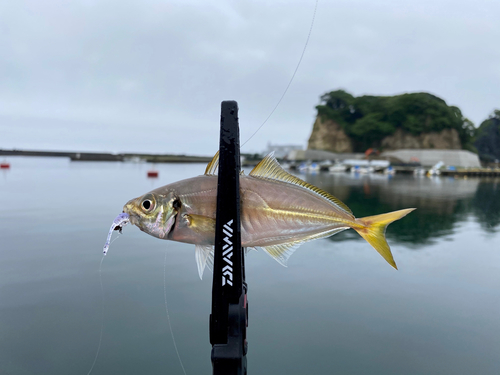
149, 76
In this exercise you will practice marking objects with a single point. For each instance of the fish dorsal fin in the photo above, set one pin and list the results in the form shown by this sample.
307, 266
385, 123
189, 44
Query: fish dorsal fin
204, 257
270, 169
213, 166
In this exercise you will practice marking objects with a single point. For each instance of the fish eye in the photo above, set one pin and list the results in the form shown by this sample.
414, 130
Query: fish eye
147, 204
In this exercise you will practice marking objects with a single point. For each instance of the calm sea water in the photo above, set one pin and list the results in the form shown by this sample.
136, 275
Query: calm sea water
337, 308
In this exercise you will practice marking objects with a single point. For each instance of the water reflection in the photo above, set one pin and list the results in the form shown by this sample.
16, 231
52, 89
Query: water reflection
486, 204
339, 306
441, 202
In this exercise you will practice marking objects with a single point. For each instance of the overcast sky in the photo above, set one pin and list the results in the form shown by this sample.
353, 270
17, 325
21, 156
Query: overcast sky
149, 76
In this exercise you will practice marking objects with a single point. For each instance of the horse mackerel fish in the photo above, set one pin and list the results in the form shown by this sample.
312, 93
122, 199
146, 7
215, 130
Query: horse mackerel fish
279, 212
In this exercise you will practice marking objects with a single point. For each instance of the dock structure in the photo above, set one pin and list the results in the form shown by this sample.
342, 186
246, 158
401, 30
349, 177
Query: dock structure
472, 172
458, 163
460, 172
102, 156
424, 157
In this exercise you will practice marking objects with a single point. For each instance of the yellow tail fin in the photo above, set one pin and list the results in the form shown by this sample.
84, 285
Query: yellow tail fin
372, 229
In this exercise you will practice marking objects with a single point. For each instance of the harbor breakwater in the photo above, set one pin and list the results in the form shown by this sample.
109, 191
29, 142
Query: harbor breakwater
101, 156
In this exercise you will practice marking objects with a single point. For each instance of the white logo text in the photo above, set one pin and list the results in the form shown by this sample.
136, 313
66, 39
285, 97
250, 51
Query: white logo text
227, 253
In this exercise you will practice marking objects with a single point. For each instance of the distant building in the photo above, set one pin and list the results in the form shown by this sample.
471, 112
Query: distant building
319, 155
426, 157
282, 151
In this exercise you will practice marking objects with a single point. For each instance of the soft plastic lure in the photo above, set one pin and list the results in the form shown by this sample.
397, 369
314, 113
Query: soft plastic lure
118, 224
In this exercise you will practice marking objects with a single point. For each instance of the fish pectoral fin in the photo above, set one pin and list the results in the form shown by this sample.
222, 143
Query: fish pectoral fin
204, 257
282, 252
200, 223
213, 166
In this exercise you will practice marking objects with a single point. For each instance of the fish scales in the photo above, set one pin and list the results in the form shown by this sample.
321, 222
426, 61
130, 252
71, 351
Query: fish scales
274, 212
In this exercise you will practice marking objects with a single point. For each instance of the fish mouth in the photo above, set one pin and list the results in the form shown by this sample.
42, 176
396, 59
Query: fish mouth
133, 218
129, 209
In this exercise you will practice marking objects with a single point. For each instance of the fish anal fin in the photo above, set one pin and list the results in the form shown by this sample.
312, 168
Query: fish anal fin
213, 166
270, 169
248, 249
282, 252
204, 257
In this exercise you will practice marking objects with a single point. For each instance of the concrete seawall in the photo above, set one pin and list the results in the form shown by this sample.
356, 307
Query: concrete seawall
100, 156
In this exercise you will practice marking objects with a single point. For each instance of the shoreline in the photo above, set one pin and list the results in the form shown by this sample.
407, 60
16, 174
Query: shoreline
103, 156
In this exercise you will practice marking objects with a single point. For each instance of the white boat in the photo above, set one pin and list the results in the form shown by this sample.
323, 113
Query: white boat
303, 167
325, 164
366, 166
309, 167
389, 170
362, 170
338, 167
366, 170
434, 171
314, 167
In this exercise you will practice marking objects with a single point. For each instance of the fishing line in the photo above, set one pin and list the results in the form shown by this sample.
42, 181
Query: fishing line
102, 315
102, 310
166, 309
293, 75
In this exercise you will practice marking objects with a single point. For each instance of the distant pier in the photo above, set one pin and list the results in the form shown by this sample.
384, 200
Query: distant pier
419, 170
459, 172
100, 156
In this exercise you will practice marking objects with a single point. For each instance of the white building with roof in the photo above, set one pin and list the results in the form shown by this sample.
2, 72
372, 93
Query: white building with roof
426, 157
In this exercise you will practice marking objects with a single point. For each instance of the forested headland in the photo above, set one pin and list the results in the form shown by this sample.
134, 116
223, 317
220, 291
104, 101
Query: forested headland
487, 138
368, 121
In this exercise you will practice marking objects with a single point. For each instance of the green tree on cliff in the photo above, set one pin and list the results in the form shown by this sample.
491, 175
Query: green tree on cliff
368, 119
488, 138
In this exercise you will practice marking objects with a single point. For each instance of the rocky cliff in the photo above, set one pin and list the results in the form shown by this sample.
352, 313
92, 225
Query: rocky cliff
446, 139
328, 135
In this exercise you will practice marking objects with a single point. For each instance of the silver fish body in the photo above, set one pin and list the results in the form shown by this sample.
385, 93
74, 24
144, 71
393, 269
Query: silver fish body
272, 212
278, 213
